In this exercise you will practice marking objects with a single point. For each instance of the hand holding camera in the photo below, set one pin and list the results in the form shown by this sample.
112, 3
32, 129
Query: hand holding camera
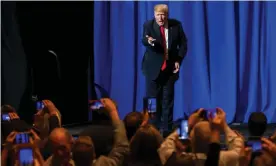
217, 119
269, 146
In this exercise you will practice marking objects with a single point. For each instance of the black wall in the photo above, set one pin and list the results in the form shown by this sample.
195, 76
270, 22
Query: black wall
14, 74
66, 28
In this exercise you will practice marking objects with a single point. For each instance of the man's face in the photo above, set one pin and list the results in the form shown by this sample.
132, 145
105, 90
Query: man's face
161, 18
61, 148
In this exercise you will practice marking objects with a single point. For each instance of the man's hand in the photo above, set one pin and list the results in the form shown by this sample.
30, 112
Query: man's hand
150, 39
217, 122
35, 139
13, 116
49, 106
11, 137
176, 67
109, 105
245, 156
195, 118
269, 146
222, 116
9, 141
110, 109
145, 118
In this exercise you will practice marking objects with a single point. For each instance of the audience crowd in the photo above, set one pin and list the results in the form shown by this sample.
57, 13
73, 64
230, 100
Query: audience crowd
132, 141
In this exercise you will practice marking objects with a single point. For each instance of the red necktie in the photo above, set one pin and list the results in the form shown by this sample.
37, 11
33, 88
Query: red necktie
164, 45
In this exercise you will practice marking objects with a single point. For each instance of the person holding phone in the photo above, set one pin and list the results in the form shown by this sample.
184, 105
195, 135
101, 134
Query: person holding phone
201, 136
23, 153
166, 46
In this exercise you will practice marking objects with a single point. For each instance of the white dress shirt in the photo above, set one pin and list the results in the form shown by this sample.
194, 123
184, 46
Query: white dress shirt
166, 38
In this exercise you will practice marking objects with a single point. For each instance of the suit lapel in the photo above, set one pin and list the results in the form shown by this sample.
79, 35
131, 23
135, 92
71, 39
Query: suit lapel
170, 28
157, 30
170, 32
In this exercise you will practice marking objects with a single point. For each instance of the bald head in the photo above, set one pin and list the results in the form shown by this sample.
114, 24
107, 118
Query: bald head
61, 143
201, 137
60, 134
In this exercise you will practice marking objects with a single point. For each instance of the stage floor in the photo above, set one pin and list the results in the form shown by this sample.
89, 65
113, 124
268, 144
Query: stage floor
242, 128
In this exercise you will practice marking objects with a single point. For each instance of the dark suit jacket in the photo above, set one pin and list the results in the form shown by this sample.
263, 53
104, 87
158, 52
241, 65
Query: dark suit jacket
153, 57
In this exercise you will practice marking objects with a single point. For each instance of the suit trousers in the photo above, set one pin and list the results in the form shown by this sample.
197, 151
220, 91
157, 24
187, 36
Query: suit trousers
163, 89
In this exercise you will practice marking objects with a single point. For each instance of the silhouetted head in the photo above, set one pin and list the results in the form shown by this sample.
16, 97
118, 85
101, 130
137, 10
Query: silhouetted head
200, 137
7, 109
257, 123
145, 143
132, 122
83, 151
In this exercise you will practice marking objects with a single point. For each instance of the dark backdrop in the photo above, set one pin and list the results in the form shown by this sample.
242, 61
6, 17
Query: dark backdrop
14, 82
66, 28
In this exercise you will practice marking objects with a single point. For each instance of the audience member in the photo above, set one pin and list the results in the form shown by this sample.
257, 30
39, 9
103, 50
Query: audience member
133, 142
143, 147
11, 151
213, 155
83, 151
257, 123
200, 140
61, 143
102, 136
120, 146
133, 121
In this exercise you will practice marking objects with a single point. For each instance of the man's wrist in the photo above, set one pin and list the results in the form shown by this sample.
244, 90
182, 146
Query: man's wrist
215, 131
8, 146
225, 127
114, 116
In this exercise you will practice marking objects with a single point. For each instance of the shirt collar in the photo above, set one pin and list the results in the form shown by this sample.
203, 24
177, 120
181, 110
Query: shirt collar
166, 25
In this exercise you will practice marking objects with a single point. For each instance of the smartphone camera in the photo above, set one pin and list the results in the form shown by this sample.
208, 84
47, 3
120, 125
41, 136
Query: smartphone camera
183, 130
22, 138
150, 105
256, 145
96, 105
26, 156
6, 117
212, 112
39, 105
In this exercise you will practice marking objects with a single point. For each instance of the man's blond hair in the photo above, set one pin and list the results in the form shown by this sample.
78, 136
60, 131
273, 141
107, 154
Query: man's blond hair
161, 8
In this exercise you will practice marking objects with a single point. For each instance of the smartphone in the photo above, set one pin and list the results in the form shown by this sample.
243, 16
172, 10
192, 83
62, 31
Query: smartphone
75, 137
212, 112
150, 104
6, 117
39, 105
26, 156
256, 145
96, 105
183, 130
22, 138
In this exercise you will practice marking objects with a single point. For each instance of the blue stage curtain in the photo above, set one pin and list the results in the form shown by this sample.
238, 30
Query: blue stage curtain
230, 61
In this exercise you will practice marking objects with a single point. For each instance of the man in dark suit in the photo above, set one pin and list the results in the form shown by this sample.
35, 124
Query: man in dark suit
166, 46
